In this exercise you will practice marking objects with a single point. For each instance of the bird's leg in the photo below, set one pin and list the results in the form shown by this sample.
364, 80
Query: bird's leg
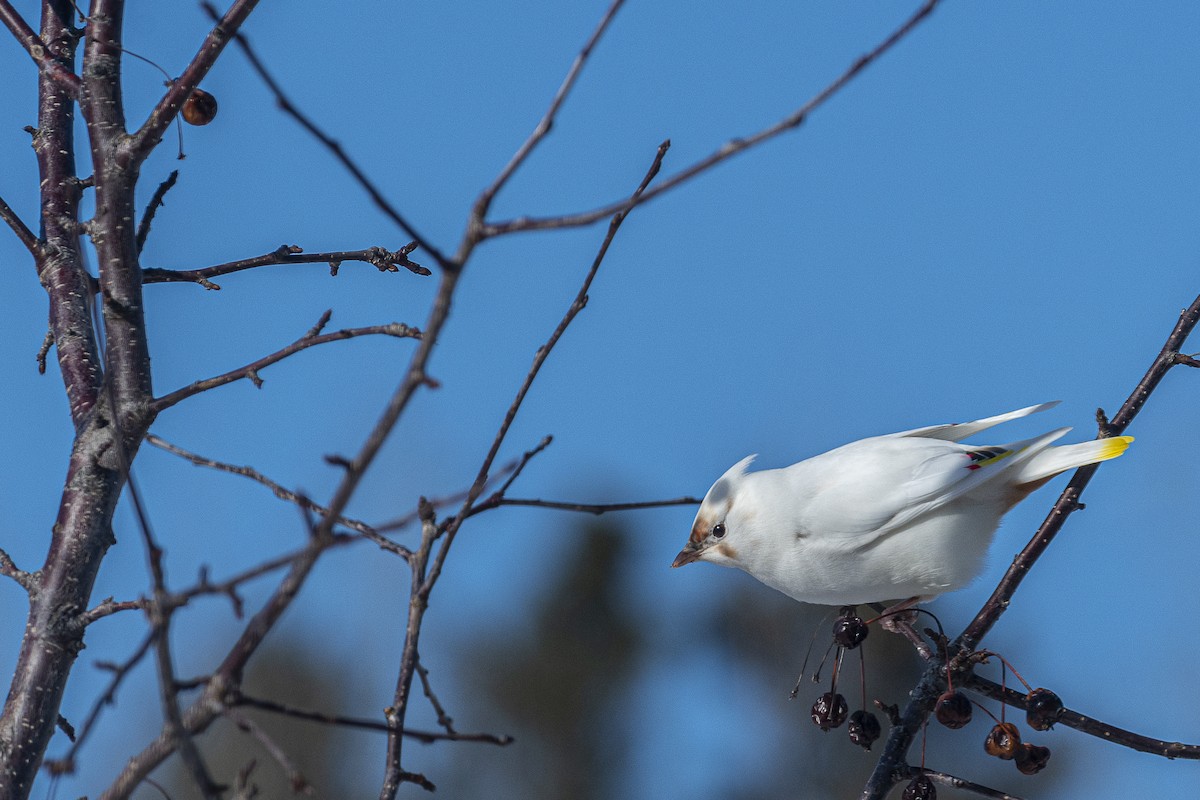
899, 618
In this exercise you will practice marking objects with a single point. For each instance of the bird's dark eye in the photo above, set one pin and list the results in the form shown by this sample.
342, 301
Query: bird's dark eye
718, 531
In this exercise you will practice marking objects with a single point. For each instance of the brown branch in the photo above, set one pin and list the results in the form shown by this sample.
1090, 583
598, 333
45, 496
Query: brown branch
106, 608
1088, 725
729, 149
1068, 501
932, 682
484, 203
586, 508
310, 339
37, 49
296, 780
156, 202
426, 570
22, 231
331, 144
276, 489
426, 737
160, 610
444, 719
66, 764
380, 257
27, 580
44, 351
140, 144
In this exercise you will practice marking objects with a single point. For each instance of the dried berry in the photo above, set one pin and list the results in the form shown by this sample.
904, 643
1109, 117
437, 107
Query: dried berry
1043, 709
1031, 758
830, 710
849, 630
1003, 741
200, 108
864, 728
953, 709
920, 788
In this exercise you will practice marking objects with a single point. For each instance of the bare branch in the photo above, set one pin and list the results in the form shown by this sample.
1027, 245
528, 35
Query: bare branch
160, 610
107, 607
155, 203
380, 257
443, 718
1088, 725
144, 140
299, 784
586, 508
728, 150
27, 580
254, 475
22, 231
425, 572
479, 212
332, 145
426, 737
1068, 501
37, 49
965, 785
310, 339
66, 764
44, 350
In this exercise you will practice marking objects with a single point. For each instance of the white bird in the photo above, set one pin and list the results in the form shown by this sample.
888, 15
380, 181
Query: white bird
907, 515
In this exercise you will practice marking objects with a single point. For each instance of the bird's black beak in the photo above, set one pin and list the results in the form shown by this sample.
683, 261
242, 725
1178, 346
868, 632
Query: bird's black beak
687, 555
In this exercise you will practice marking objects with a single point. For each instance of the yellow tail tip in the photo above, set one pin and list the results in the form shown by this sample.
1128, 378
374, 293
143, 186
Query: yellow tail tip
1115, 446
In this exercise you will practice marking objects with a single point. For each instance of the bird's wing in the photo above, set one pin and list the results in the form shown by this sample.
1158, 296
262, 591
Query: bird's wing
957, 431
871, 488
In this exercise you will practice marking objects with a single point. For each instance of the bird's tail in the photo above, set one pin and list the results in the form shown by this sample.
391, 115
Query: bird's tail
1054, 460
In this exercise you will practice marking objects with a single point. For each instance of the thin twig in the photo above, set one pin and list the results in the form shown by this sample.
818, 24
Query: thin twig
251, 371
66, 764
22, 231
586, 508
160, 610
380, 257
249, 472
37, 49
44, 351
728, 150
27, 580
425, 569
107, 607
156, 201
443, 718
425, 737
334, 146
954, 782
1089, 725
296, 780
484, 203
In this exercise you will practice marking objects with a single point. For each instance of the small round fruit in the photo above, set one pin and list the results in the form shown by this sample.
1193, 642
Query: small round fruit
830, 711
1031, 758
199, 108
1003, 741
953, 709
920, 788
1043, 709
864, 728
849, 630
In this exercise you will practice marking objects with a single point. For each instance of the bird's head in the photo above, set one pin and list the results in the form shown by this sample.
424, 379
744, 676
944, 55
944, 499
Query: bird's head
715, 532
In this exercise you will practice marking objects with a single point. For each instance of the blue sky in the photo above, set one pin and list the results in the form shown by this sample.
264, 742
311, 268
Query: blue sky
1002, 211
